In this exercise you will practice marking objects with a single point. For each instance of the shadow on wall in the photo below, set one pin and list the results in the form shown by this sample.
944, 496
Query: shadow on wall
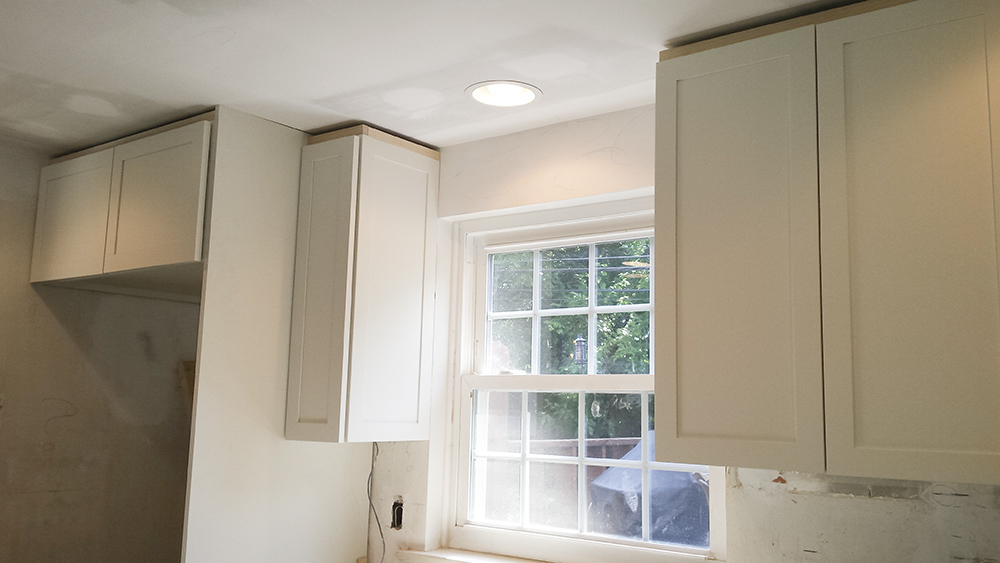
96, 430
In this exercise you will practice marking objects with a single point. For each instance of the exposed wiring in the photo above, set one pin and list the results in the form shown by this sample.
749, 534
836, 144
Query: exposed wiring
371, 504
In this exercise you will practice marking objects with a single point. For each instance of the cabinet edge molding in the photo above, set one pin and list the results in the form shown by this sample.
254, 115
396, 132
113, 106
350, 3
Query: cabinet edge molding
757, 30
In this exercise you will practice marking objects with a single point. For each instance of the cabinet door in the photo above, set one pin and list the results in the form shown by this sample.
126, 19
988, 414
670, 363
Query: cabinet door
393, 295
321, 298
72, 218
157, 206
737, 333
911, 313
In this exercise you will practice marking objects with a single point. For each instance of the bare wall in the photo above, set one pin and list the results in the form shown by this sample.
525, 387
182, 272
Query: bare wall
93, 424
595, 157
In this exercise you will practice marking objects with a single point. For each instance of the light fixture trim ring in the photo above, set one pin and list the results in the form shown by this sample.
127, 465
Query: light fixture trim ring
535, 92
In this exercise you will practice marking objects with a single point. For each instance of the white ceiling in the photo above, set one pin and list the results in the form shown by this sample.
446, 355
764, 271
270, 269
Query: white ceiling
74, 73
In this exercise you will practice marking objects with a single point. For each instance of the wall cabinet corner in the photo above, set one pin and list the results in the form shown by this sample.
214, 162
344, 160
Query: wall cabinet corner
362, 308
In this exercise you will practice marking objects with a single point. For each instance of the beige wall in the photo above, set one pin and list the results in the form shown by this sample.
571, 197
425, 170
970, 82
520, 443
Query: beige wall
595, 158
93, 426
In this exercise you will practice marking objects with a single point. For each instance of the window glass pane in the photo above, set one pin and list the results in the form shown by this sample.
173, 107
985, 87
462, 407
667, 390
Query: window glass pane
614, 425
678, 508
496, 496
564, 273
497, 423
510, 346
623, 272
511, 281
552, 495
623, 342
557, 352
553, 425
614, 501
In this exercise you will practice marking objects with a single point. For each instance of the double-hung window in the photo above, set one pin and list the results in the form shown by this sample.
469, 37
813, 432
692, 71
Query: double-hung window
556, 456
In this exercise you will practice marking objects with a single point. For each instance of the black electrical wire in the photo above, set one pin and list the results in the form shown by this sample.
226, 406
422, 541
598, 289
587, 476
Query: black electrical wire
371, 504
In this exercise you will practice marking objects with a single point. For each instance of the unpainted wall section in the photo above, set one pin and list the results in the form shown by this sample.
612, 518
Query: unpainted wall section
94, 421
779, 517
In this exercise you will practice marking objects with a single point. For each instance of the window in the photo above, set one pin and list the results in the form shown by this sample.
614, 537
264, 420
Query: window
557, 404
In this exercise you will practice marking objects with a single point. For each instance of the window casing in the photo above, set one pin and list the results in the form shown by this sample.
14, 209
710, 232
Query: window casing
591, 382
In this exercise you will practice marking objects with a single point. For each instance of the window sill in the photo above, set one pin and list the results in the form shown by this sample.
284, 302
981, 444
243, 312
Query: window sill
464, 556
459, 556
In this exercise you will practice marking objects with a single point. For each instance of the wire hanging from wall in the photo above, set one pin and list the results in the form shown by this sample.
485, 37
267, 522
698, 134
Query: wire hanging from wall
371, 504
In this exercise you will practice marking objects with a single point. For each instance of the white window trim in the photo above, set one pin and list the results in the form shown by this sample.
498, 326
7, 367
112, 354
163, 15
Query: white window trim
582, 223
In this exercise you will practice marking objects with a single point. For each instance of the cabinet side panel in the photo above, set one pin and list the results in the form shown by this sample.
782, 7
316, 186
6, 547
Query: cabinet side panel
743, 293
914, 334
388, 347
322, 294
72, 218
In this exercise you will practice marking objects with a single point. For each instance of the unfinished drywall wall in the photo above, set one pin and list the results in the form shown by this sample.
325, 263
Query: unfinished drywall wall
779, 517
806, 518
400, 472
94, 425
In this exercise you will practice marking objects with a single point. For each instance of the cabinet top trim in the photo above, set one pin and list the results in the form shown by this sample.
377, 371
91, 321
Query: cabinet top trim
207, 116
375, 134
752, 29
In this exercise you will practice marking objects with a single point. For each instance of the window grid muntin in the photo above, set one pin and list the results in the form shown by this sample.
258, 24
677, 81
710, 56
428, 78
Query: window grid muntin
536, 312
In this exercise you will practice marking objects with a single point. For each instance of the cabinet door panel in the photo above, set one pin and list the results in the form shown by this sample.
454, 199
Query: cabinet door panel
390, 359
738, 376
321, 298
72, 218
910, 222
158, 199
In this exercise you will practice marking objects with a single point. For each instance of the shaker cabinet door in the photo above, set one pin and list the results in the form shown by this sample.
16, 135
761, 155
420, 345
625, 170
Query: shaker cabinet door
72, 218
322, 296
393, 295
157, 206
737, 332
910, 216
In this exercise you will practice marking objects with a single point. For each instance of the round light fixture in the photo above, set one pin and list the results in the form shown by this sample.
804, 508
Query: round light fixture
505, 93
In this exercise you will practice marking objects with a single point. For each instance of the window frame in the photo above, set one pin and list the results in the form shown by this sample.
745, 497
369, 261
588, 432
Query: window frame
586, 224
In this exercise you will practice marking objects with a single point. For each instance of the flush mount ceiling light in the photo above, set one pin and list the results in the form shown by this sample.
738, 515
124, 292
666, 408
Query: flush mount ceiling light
505, 93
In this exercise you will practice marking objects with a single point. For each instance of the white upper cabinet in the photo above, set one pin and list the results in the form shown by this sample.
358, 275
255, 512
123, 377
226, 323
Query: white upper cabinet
737, 335
363, 298
911, 292
106, 216
908, 221
72, 218
158, 199
389, 391
322, 294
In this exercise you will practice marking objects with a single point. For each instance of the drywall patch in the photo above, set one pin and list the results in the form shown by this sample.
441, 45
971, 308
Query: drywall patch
92, 105
64, 118
803, 483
